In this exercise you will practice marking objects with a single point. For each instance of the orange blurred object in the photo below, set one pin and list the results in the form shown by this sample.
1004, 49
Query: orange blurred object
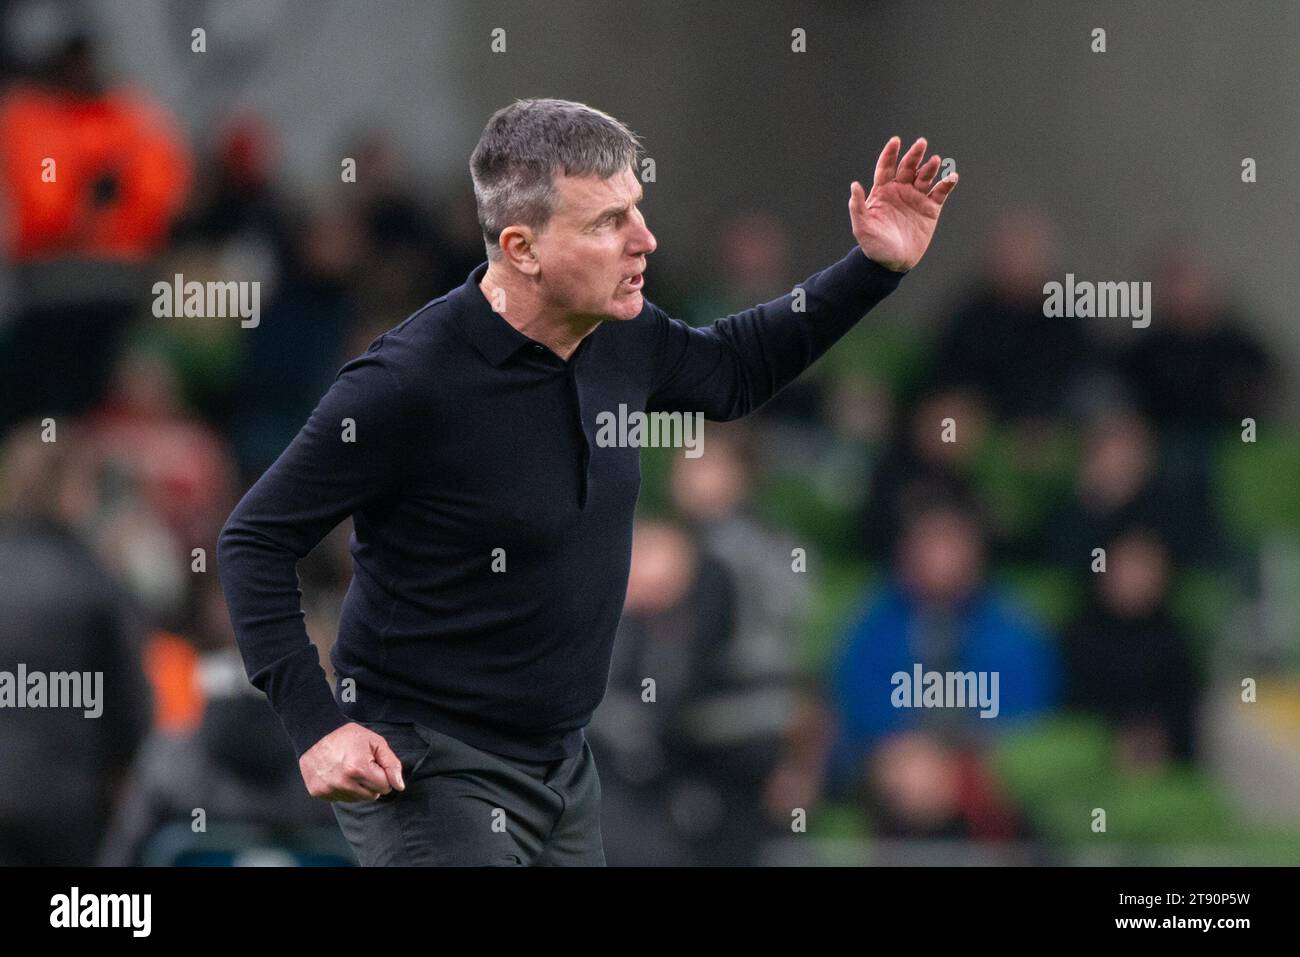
172, 666
119, 177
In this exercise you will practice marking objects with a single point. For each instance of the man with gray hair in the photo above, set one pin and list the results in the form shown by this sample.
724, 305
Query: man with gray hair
492, 532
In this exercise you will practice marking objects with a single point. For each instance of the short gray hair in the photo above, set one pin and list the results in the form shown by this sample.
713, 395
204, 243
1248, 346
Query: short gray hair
525, 144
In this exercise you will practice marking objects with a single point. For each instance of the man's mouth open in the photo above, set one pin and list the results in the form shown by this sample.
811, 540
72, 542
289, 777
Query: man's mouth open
633, 283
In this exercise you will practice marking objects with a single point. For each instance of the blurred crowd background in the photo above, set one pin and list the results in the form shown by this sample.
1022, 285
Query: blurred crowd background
1164, 691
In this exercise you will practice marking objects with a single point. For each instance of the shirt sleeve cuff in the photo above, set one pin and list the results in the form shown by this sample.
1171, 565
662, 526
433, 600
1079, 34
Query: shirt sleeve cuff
859, 281
874, 269
309, 712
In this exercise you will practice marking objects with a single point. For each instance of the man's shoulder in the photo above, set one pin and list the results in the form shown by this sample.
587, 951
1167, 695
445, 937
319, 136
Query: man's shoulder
419, 343
433, 324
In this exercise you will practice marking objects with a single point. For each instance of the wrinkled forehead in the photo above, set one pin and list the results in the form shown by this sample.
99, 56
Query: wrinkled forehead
584, 196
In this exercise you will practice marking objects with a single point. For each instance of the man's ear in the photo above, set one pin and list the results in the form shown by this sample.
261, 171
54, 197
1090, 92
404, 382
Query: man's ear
518, 247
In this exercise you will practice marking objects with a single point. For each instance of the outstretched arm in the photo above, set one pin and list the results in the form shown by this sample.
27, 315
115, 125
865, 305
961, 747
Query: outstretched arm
731, 367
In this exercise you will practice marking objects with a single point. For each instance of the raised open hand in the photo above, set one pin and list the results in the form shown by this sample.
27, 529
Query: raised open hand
894, 224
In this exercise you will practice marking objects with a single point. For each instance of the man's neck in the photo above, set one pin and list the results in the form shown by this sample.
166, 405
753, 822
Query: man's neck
517, 302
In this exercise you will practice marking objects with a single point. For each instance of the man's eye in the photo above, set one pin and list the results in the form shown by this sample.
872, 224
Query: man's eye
616, 219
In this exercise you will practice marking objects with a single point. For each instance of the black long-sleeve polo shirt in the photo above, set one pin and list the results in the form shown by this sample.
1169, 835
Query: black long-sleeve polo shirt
492, 532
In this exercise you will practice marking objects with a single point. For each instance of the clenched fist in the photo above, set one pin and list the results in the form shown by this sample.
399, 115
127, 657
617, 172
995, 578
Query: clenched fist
351, 763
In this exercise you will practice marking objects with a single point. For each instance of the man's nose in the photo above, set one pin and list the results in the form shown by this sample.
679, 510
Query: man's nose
644, 243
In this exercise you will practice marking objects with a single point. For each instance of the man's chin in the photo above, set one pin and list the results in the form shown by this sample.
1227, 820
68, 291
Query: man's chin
627, 306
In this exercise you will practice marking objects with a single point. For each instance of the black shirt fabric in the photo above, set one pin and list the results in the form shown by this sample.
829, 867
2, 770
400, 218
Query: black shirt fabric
454, 436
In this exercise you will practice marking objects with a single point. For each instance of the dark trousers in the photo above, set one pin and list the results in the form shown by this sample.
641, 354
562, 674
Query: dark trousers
466, 807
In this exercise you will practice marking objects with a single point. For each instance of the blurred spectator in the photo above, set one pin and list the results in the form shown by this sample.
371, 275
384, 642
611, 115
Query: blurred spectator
919, 785
1120, 483
235, 765
241, 226
918, 464
1196, 368
167, 481
712, 493
61, 612
937, 611
860, 410
772, 607
92, 178
290, 359
402, 246
682, 776
751, 264
1128, 661
1196, 371
236, 206
1000, 345
149, 440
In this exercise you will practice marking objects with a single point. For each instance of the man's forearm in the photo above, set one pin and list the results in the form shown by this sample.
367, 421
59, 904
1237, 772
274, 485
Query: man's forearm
730, 368
316, 482
260, 580
790, 337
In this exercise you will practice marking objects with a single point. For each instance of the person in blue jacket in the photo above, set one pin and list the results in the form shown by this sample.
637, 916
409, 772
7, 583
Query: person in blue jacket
938, 617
